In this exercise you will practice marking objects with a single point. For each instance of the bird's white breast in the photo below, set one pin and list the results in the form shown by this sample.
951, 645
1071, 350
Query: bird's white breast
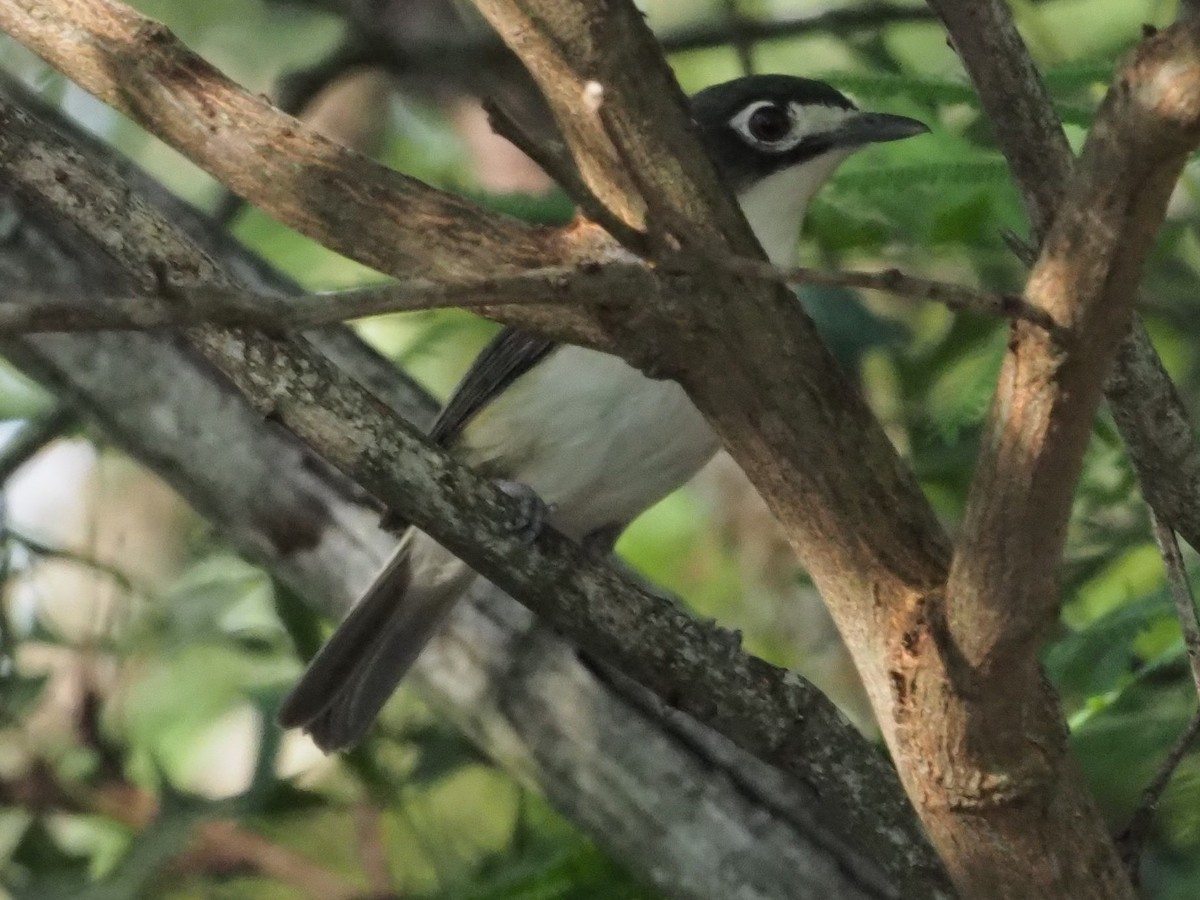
594, 437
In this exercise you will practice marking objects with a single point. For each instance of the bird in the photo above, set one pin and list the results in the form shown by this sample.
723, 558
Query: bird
581, 435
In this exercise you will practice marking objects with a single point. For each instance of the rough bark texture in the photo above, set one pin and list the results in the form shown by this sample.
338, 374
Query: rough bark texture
1152, 419
960, 684
345, 201
1156, 428
284, 511
1001, 759
746, 353
948, 655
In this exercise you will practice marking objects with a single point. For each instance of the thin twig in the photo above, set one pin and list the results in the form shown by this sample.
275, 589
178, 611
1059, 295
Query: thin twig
555, 160
8, 639
893, 281
739, 37
369, 842
859, 18
33, 436
1134, 834
34, 311
1181, 592
43, 550
614, 284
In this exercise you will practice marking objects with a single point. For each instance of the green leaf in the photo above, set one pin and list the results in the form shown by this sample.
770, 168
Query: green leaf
1121, 747
1078, 74
301, 622
579, 872
18, 695
930, 177
1098, 657
553, 208
969, 220
43, 868
20, 398
932, 92
847, 327
964, 386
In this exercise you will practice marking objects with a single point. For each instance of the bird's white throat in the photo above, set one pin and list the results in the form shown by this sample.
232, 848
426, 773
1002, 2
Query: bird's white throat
775, 206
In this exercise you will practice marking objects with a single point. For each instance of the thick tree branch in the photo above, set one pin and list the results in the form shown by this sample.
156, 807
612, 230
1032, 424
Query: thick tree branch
1152, 419
138, 67
700, 667
800, 430
1002, 595
927, 697
1113, 207
1158, 432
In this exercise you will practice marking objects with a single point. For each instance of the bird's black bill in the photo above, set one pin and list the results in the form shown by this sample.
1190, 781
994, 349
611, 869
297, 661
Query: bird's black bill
875, 128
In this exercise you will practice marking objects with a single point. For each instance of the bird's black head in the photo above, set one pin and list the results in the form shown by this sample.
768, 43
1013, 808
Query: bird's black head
777, 139
760, 124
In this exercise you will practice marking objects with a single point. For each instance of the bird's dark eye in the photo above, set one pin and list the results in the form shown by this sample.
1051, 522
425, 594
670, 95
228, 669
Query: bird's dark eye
769, 124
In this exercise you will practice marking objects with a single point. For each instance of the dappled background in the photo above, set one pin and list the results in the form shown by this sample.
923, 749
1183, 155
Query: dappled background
143, 659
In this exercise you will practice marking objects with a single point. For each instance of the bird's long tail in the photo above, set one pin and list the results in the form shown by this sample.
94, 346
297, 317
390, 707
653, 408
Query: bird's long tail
349, 680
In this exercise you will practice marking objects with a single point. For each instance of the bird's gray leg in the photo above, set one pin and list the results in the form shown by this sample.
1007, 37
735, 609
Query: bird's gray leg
533, 512
601, 542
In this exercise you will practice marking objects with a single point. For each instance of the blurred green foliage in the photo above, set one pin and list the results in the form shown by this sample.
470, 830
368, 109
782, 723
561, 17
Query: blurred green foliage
196, 665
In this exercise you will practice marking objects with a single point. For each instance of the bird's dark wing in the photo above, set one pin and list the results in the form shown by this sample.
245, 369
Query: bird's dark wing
508, 356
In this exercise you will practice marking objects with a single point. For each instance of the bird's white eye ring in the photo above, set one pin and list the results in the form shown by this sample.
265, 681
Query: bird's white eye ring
767, 125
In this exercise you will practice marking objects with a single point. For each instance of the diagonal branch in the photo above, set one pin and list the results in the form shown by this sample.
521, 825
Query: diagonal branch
552, 155
1181, 594
863, 529
138, 67
1157, 430
1133, 835
1002, 595
925, 696
863, 17
615, 284
700, 667
1152, 419
1093, 253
